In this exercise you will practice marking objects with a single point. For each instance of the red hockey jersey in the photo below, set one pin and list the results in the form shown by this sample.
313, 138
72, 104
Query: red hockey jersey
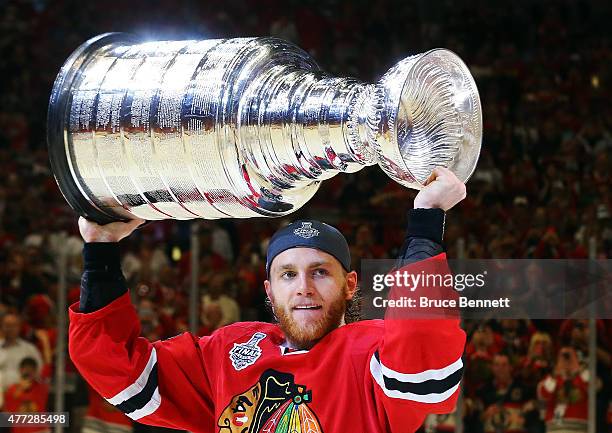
371, 376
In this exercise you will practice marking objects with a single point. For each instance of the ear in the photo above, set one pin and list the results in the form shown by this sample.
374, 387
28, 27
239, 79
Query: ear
351, 285
268, 288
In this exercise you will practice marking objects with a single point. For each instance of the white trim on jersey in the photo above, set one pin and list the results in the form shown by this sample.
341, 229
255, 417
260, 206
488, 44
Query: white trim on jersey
142, 397
433, 374
383, 375
138, 385
148, 408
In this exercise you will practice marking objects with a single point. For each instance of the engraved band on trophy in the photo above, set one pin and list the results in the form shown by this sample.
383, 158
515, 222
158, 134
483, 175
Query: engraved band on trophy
244, 127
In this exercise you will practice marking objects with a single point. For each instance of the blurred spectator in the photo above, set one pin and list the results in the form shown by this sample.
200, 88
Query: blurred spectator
221, 243
364, 246
20, 280
13, 350
507, 404
150, 327
565, 394
515, 336
28, 395
210, 319
485, 339
479, 353
145, 265
209, 260
440, 423
576, 334
41, 329
251, 274
539, 359
215, 293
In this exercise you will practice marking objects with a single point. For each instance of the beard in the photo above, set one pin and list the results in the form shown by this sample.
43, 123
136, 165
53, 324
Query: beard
304, 335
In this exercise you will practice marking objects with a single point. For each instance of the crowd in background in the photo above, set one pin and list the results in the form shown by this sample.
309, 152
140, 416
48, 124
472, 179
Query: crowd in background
541, 189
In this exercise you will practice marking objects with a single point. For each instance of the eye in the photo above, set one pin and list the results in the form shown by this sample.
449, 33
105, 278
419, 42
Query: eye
320, 272
288, 275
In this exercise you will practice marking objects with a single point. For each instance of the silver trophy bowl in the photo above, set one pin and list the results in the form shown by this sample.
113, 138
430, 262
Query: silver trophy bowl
244, 127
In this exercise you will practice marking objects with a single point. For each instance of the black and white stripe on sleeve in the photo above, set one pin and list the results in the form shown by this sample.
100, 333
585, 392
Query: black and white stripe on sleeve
142, 397
429, 386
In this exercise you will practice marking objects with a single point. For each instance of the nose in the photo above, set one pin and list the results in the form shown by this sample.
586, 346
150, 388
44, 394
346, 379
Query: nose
304, 287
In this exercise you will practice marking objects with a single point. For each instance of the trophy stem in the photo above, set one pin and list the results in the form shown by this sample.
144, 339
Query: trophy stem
299, 126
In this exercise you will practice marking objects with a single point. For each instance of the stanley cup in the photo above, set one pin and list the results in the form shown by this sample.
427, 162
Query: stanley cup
244, 127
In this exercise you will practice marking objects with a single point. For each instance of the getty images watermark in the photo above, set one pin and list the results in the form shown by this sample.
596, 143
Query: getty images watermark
483, 289
422, 280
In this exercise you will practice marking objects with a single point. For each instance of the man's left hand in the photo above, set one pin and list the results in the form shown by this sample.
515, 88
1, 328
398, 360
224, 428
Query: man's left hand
442, 190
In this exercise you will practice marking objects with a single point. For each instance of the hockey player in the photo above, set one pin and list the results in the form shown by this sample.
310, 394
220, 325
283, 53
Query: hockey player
309, 373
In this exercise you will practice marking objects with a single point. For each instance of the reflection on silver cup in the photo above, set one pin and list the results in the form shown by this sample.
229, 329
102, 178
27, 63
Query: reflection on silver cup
244, 127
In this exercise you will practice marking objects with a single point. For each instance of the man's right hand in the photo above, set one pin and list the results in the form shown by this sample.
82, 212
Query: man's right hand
113, 232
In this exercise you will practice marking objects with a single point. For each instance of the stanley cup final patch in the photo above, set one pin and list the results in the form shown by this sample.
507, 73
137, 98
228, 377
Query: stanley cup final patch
306, 231
244, 354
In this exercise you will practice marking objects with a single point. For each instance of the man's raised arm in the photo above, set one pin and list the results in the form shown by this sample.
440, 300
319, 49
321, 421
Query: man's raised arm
418, 366
162, 383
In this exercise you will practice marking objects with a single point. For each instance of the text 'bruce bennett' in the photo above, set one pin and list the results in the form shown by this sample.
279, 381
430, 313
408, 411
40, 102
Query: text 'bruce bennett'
425, 302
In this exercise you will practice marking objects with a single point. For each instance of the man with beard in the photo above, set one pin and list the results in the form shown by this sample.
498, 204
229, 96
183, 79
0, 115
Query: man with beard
311, 372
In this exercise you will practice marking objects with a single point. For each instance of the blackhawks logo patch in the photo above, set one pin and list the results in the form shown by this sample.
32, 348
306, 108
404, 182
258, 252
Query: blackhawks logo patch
275, 404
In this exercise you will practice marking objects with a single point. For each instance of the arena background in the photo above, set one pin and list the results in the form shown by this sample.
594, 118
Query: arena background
541, 189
